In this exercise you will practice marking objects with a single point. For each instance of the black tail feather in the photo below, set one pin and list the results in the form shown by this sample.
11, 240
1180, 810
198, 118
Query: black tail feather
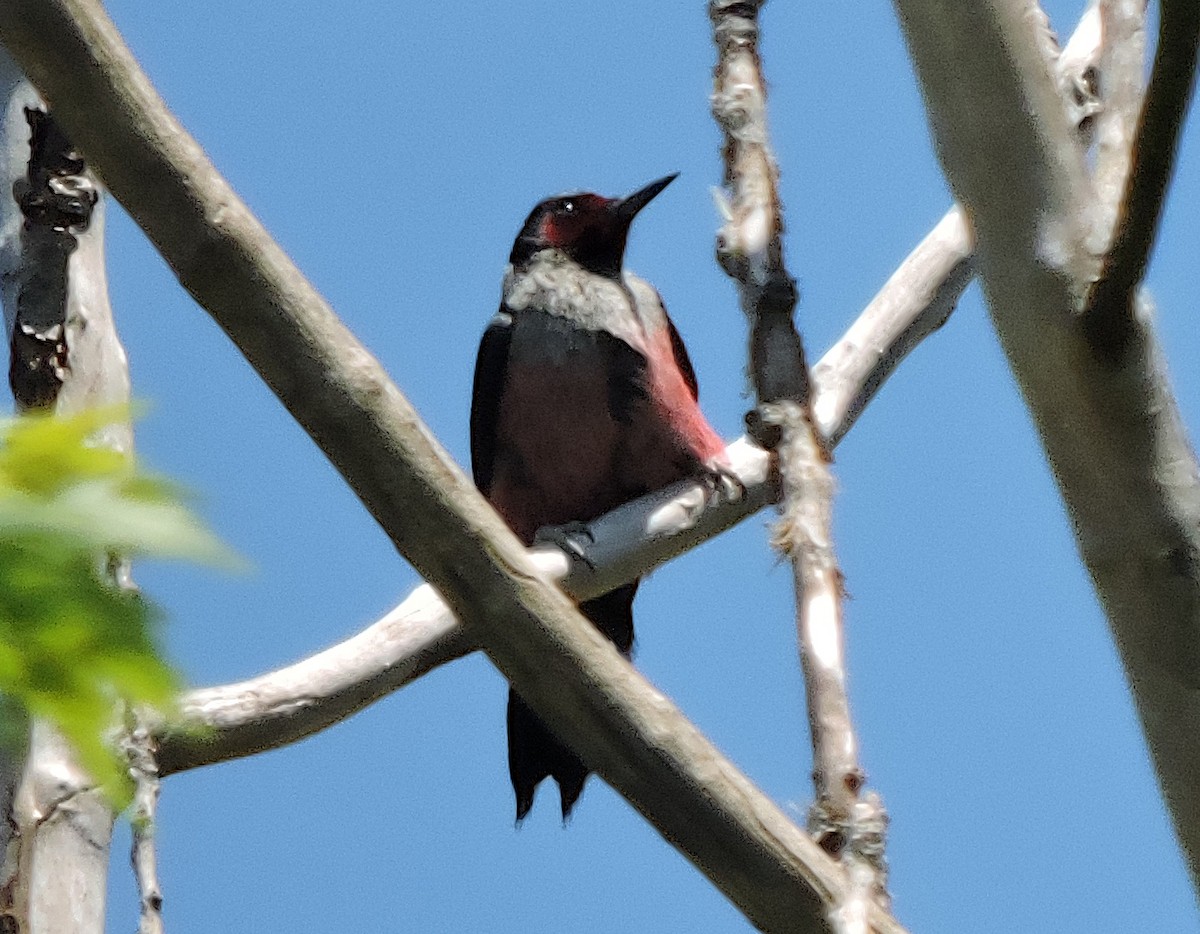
534, 753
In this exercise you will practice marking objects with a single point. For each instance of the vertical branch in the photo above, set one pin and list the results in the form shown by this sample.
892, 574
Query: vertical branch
63, 831
64, 357
750, 249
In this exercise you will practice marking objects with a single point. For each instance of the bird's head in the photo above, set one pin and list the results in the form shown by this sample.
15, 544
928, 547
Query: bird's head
588, 228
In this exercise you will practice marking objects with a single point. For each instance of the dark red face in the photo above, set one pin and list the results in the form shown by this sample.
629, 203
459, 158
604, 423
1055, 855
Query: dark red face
566, 221
585, 227
588, 228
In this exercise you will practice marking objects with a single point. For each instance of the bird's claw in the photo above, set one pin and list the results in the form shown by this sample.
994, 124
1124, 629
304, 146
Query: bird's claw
724, 484
572, 537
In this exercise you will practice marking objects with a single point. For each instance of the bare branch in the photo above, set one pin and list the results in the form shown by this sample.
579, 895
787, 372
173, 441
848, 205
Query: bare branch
915, 302
750, 249
1111, 431
63, 832
1110, 312
284, 706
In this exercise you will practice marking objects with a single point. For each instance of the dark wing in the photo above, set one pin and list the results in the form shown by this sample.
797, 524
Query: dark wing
490, 367
682, 358
628, 389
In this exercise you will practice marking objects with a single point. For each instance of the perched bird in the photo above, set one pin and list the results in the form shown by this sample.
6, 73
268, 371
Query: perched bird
584, 399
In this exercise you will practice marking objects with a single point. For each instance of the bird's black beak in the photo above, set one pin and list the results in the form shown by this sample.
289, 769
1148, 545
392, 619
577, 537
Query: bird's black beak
627, 208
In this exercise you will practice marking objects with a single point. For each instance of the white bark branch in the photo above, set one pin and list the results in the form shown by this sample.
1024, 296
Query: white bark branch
1146, 170
932, 279
64, 827
1111, 428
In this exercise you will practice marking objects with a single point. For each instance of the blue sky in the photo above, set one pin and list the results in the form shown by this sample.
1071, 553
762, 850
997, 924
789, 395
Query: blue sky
394, 156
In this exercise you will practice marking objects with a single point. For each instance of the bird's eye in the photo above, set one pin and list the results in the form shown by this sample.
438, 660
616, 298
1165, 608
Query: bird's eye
568, 207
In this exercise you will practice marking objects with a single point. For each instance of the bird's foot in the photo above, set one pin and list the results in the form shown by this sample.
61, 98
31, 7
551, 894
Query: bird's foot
572, 537
723, 483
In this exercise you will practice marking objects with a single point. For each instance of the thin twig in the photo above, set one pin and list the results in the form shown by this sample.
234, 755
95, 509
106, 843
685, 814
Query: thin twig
750, 249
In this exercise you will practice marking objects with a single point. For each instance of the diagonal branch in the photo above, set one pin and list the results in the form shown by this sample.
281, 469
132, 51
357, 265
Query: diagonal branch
931, 279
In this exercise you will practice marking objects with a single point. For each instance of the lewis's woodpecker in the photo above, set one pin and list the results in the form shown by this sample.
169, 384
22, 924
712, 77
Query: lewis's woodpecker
584, 399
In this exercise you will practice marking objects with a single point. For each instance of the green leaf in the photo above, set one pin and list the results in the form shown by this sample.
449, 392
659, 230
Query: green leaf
71, 643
